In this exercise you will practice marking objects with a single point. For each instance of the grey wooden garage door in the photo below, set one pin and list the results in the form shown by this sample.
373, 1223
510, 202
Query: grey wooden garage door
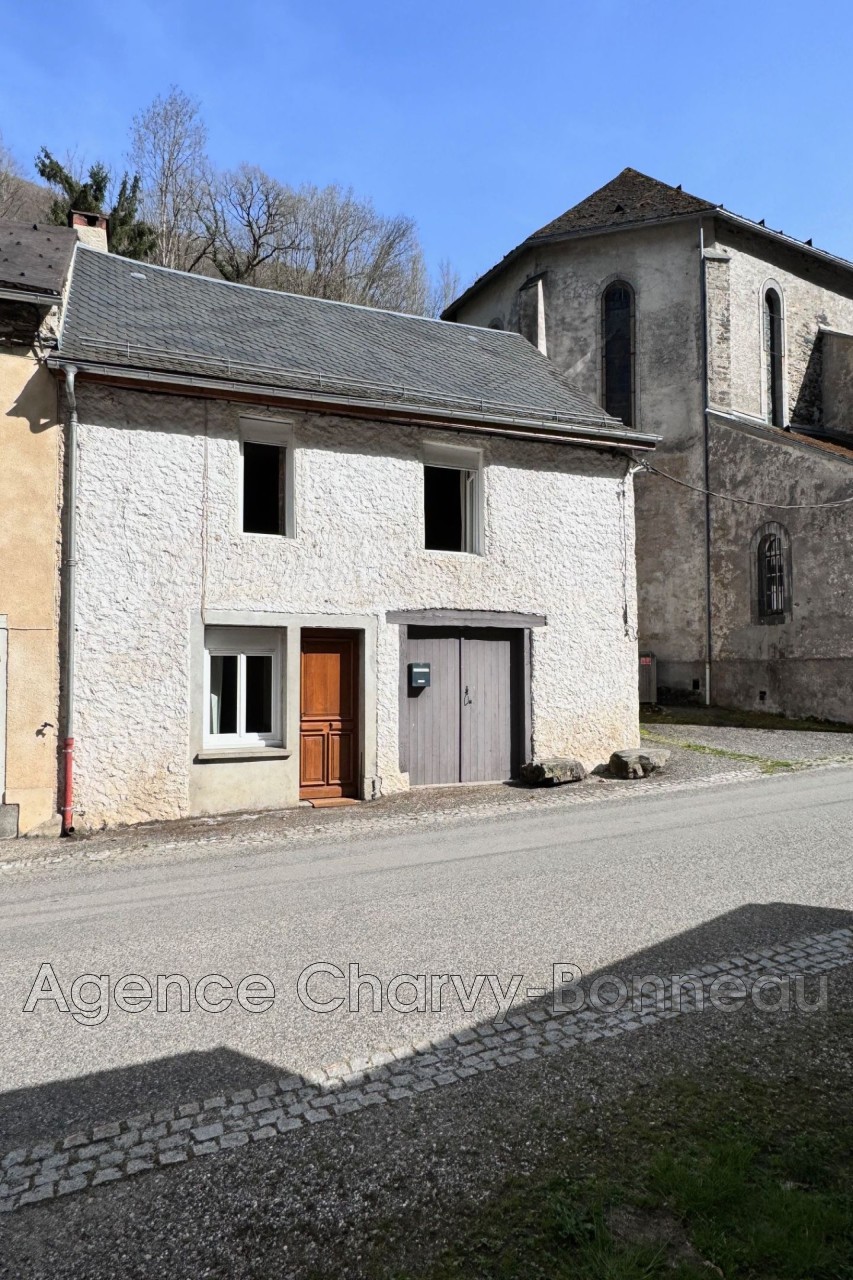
464, 727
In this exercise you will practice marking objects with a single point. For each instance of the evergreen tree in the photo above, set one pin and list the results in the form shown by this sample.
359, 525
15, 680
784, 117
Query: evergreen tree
129, 235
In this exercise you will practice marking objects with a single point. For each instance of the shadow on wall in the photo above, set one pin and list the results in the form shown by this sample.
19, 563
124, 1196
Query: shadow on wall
50, 1111
37, 402
808, 410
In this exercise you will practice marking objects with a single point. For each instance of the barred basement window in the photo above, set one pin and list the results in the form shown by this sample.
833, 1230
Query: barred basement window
617, 351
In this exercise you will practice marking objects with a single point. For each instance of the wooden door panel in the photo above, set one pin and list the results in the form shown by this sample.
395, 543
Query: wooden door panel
328, 715
433, 713
312, 759
341, 758
487, 710
327, 680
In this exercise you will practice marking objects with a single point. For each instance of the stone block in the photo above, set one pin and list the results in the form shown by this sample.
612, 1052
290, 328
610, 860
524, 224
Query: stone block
553, 772
637, 764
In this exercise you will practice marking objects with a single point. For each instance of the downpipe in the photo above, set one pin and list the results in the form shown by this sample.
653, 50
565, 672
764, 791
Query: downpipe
67, 809
706, 462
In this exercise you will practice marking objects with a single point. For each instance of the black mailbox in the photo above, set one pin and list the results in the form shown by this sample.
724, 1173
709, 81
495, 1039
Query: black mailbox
418, 675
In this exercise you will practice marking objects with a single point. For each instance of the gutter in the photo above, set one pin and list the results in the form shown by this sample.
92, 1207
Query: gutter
70, 584
594, 432
37, 299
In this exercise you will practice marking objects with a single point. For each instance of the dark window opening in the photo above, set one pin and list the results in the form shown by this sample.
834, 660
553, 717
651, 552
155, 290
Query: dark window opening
263, 488
258, 693
773, 357
771, 576
444, 508
617, 351
223, 693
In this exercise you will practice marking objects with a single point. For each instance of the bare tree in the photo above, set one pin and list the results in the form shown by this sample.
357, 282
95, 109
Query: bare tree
251, 221
347, 252
10, 183
446, 286
168, 151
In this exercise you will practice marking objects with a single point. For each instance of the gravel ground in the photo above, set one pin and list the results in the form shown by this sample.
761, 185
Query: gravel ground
435, 807
776, 744
379, 1192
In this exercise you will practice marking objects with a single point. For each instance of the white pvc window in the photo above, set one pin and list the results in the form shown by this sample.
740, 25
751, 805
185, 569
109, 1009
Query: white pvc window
242, 687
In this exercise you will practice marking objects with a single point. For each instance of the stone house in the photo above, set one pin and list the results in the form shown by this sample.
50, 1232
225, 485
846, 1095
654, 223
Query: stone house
735, 343
34, 265
324, 553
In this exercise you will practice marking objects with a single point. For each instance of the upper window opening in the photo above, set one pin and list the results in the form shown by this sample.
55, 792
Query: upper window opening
266, 493
451, 500
773, 358
617, 351
263, 487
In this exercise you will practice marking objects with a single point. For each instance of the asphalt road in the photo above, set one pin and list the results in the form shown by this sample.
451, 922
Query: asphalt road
653, 886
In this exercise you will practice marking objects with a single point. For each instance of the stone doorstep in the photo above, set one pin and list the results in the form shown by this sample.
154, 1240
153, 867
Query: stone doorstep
109, 1152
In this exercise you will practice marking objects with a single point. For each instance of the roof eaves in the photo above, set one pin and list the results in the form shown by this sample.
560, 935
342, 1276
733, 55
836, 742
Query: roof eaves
790, 241
38, 297
602, 430
779, 435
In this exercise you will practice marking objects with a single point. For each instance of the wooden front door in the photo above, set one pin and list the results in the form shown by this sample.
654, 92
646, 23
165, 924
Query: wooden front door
328, 732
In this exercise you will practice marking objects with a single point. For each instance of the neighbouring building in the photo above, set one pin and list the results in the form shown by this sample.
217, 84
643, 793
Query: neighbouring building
323, 552
735, 342
34, 265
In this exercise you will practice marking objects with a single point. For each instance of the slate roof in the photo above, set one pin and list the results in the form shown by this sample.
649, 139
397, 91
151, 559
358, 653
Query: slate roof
631, 197
130, 315
35, 257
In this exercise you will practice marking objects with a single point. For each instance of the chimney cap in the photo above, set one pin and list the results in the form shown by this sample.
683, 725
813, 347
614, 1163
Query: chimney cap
77, 218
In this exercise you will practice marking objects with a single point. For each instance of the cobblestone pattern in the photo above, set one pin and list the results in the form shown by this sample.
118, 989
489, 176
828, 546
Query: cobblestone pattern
115, 1150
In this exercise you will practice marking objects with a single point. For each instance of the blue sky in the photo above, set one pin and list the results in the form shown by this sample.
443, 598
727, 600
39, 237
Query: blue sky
481, 118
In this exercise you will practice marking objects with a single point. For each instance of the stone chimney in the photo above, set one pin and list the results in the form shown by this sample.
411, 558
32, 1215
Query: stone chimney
91, 228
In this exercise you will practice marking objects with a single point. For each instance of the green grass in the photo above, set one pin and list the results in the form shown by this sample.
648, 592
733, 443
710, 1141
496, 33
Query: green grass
765, 763
727, 718
751, 1181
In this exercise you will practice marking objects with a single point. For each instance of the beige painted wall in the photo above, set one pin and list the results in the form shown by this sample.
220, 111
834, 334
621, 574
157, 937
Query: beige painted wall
29, 545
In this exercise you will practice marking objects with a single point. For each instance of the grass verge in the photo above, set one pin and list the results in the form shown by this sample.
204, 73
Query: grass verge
727, 718
765, 763
750, 1181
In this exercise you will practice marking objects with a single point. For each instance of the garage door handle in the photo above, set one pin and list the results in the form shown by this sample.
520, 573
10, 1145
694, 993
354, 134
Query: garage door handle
466, 701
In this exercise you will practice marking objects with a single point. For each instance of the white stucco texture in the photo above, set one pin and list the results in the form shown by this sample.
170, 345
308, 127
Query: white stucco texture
160, 543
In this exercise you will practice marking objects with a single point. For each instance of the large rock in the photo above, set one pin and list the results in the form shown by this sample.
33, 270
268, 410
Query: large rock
637, 764
552, 773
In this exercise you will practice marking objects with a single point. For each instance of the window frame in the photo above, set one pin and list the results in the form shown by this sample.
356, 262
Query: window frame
619, 282
279, 433
762, 615
244, 642
469, 463
773, 365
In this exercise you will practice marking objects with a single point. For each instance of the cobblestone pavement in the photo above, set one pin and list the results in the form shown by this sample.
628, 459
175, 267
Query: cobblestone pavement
114, 1151
734, 755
